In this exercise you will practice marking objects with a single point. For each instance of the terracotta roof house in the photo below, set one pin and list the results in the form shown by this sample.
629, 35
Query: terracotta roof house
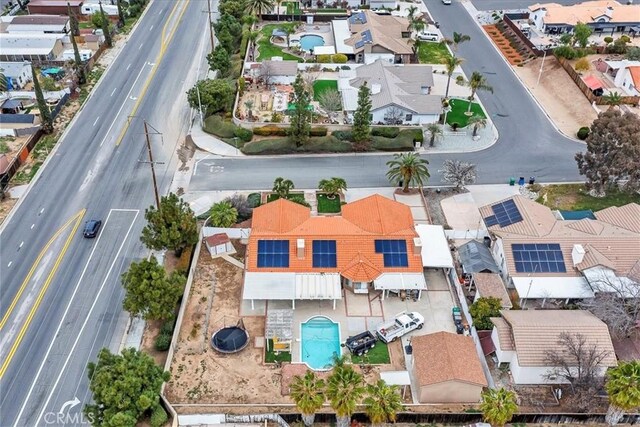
606, 16
292, 255
491, 285
446, 368
547, 258
626, 75
523, 337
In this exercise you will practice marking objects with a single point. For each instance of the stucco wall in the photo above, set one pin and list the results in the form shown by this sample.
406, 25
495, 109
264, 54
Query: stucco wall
450, 392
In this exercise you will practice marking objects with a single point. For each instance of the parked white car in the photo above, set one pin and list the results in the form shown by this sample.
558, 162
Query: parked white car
446, 1
429, 37
402, 324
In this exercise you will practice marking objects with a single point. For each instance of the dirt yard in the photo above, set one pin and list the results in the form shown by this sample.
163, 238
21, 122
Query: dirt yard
567, 107
5, 207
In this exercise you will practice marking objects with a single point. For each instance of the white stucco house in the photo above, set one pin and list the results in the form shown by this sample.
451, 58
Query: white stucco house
627, 77
17, 73
522, 339
400, 94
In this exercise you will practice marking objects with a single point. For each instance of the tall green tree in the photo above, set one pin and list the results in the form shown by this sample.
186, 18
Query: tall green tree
301, 118
223, 214
345, 388
483, 309
435, 130
581, 34
383, 402
450, 63
409, 169
282, 187
105, 27
259, 7
308, 394
121, 20
477, 121
73, 23
125, 387
43, 108
623, 388
362, 116
150, 292
457, 40
172, 226
220, 60
498, 406
332, 186
477, 82
74, 26
213, 95
612, 99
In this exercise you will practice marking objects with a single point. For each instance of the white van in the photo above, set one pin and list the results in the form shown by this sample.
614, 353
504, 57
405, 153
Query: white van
429, 37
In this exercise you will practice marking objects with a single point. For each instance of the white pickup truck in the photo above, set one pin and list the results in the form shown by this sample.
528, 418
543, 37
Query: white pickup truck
402, 324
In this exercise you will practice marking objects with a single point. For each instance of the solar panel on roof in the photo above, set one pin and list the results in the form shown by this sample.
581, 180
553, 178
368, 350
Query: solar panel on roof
324, 253
273, 253
490, 220
359, 44
538, 258
366, 36
506, 213
394, 252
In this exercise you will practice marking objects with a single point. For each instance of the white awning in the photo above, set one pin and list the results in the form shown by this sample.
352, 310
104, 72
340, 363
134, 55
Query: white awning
318, 286
396, 377
289, 286
552, 287
341, 33
324, 50
349, 98
435, 248
400, 281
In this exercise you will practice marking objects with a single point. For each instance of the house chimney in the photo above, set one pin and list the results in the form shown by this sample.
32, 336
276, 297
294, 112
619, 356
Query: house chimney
577, 254
300, 248
375, 88
417, 246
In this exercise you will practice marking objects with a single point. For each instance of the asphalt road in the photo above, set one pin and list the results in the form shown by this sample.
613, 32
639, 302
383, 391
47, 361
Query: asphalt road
68, 302
508, 4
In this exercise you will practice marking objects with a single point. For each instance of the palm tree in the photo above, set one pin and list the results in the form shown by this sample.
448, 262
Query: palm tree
308, 394
344, 390
498, 406
278, 2
282, 187
383, 402
223, 214
411, 13
248, 104
477, 121
613, 99
435, 130
408, 168
259, 7
288, 30
477, 82
332, 186
252, 36
415, 46
417, 25
450, 63
458, 39
623, 388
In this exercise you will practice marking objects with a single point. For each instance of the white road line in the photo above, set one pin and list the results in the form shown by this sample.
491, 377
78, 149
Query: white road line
128, 66
32, 225
141, 44
114, 91
64, 315
21, 243
96, 122
9, 265
41, 210
151, 28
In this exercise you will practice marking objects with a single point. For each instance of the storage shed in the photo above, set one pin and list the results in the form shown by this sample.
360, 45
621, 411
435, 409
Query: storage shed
54, 7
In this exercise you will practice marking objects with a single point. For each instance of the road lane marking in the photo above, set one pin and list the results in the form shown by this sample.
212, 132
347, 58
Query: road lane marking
21, 243
41, 210
141, 44
128, 66
71, 351
33, 269
151, 28
32, 225
163, 48
45, 286
9, 265
114, 91
96, 122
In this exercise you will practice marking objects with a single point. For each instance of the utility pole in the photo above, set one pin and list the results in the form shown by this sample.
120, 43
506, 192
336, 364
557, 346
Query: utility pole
210, 24
153, 170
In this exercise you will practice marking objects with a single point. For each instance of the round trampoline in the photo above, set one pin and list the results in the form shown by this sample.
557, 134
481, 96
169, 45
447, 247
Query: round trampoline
230, 339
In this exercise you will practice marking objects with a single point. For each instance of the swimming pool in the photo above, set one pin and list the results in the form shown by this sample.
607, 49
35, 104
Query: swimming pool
310, 41
320, 340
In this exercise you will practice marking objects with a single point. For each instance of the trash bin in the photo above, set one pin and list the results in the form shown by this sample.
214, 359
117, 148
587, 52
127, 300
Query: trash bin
521, 180
532, 180
512, 181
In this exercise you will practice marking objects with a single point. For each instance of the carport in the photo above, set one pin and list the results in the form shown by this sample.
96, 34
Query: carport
435, 250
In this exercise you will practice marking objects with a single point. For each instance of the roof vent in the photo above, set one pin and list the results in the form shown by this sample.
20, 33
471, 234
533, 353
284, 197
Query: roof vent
375, 88
417, 246
577, 254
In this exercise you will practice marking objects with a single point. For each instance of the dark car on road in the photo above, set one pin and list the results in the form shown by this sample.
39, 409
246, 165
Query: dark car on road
91, 228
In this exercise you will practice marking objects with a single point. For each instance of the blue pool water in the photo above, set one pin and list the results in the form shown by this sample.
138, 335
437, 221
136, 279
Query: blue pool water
319, 342
310, 41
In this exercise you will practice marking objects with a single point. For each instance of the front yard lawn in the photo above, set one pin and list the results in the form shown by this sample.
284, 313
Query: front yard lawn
327, 205
294, 197
320, 86
378, 355
432, 52
459, 108
574, 197
267, 50
271, 357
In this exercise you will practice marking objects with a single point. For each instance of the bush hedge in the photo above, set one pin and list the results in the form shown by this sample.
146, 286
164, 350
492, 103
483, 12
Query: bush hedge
387, 132
318, 131
158, 417
583, 133
343, 135
245, 135
163, 341
254, 200
167, 327
270, 130
215, 125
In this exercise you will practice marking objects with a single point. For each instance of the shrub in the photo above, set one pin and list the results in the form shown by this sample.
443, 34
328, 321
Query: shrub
323, 59
270, 131
387, 132
343, 135
482, 310
460, 80
608, 39
625, 38
215, 125
339, 58
565, 52
582, 65
583, 133
245, 135
4, 147
345, 67
254, 200
241, 85
242, 206
318, 131
163, 341
455, 126
299, 199
158, 417
167, 327
633, 54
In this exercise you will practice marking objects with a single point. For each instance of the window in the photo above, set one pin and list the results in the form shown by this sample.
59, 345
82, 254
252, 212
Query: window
324, 253
408, 117
273, 253
394, 252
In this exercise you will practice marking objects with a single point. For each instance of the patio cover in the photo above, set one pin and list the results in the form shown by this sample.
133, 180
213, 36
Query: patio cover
290, 286
396, 377
318, 286
593, 82
552, 287
435, 248
341, 32
400, 281
279, 324
324, 50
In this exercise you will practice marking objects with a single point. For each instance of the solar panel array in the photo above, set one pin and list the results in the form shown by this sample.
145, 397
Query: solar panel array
358, 18
538, 258
359, 44
504, 213
394, 251
324, 253
273, 253
366, 36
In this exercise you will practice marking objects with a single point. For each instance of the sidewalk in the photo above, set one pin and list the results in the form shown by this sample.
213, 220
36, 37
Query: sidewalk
211, 144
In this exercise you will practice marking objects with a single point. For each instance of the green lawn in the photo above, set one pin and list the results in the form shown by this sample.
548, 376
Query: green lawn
459, 108
271, 357
432, 52
327, 205
378, 355
574, 197
267, 50
294, 197
320, 86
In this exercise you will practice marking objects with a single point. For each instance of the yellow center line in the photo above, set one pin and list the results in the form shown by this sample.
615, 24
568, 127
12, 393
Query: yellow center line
78, 218
31, 271
163, 48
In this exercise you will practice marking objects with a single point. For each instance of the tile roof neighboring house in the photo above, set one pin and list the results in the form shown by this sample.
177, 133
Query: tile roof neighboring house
504, 334
40, 20
384, 31
405, 86
627, 216
588, 12
281, 68
444, 356
491, 285
355, 231
635, 76
217, 239
537, 331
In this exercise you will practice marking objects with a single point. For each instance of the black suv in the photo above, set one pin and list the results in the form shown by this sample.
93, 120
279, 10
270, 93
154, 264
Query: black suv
91, 228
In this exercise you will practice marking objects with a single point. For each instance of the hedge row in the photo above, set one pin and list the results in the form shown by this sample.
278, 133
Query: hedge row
216, 125
271, 130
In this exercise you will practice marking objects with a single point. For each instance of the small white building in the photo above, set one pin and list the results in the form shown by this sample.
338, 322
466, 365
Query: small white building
17, 47
91, 8
85, 54
18, 73
219, 244
627, 75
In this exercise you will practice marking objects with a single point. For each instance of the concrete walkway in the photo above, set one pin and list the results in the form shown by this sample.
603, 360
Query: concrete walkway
211, 144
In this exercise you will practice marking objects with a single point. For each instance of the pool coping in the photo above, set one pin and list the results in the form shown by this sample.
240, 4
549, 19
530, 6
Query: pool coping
339, 341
